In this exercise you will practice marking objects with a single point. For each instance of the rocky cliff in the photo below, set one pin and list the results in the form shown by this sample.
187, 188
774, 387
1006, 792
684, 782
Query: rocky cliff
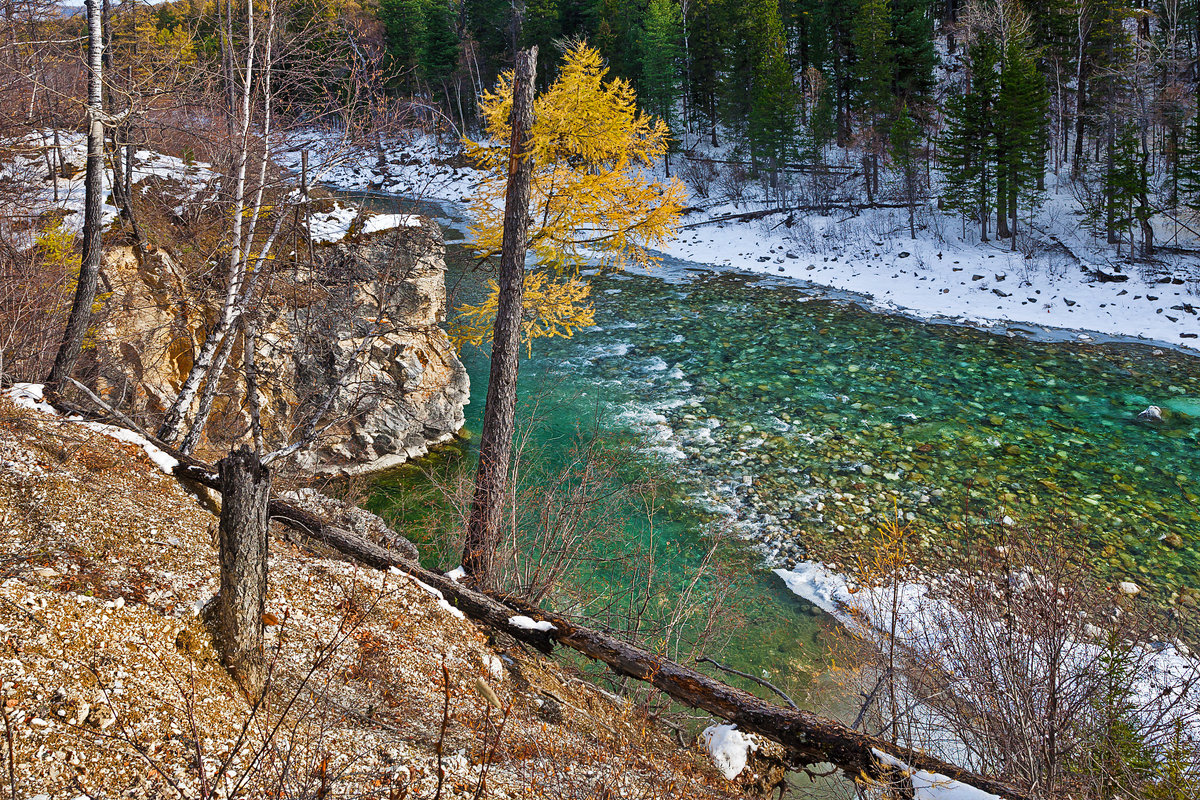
361, 323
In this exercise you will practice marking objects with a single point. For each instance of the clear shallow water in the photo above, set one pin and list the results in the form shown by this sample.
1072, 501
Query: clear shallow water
809, 421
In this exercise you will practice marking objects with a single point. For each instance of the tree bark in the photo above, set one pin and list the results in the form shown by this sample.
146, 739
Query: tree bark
245, 493
495, 439
89, 269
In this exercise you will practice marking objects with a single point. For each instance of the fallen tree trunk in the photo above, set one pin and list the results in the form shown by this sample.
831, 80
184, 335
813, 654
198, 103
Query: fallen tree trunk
809, 738
831, 205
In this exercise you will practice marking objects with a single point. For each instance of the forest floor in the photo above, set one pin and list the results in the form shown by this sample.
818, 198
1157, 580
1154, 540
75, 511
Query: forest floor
1061, 282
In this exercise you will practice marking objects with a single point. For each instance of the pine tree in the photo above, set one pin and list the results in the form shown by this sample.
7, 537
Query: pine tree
404, 26
1189, 167
772, 120
1021, 109
873, 73
912, 25
968, 147
661, 59
1124, 183
904, 146
439, 55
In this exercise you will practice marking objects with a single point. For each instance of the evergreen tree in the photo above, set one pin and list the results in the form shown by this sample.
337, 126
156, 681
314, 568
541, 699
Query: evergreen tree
1021, 108
541, 25
1124, 183
439, 56
904, 146
772, 110
968, 143
912, 26
661, 59
708, 35
1189, 167
873, 72
404, 26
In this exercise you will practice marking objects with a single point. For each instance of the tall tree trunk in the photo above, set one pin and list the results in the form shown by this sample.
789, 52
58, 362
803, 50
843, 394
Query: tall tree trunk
89, 269
1002, 190
495, 440
245, 493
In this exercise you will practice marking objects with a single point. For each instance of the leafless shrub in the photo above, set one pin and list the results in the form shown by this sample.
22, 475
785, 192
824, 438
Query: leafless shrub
734, 181
701, 174
1019, 664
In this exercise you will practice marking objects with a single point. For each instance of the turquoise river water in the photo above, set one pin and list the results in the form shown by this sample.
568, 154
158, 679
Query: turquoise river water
802, 422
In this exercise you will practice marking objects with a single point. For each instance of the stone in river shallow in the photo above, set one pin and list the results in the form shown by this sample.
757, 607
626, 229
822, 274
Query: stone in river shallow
1151, 414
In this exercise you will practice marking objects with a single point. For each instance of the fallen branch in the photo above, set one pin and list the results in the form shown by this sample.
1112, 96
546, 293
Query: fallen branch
760, 681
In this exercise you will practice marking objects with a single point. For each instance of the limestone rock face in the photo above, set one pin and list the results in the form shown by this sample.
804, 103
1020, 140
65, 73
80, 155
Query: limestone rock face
362, 326
402, 386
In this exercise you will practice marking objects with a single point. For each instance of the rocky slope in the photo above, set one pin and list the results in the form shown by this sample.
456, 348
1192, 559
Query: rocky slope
111, 687
363, 323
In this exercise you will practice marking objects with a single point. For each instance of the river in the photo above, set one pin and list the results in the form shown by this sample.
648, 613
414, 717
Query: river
800, 422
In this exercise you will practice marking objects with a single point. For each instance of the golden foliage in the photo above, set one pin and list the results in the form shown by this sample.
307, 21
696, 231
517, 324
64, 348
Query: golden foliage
552, 307
890, 557
56, 249
590, 197
56, 246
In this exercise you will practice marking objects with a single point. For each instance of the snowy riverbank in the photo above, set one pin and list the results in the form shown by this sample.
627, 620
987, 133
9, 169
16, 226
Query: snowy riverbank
939, 276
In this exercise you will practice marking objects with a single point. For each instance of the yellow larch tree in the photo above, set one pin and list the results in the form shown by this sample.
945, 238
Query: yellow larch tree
592, 196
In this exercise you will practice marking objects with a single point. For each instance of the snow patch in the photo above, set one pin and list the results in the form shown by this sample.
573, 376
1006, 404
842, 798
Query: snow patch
31, 396
728, 748
931, 786
527, 623
385, 222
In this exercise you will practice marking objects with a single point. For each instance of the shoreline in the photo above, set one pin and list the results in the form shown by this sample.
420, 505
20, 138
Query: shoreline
1080, 311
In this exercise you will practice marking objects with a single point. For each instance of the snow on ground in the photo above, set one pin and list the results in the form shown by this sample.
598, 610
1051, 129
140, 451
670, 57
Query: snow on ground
945, 274
931, 786
31, 395
729, 748
196, 179
926, 621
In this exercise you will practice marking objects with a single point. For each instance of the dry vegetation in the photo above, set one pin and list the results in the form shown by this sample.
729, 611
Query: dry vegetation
112, 688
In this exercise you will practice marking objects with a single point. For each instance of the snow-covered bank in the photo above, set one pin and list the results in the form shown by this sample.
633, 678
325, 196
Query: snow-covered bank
1162, 675
940, 276
195, 180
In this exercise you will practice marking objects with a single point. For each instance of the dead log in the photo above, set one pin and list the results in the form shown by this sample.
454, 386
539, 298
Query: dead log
808, 737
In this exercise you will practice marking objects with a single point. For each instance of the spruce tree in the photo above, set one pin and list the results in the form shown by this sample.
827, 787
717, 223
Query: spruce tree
1021, 108
1123, 184
1189, 167
915, 57
968, 146
772, 126
661, 59
404, 27
873, 72
904, 147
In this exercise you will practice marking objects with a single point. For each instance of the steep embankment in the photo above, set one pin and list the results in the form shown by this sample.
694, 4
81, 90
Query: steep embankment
112, 687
